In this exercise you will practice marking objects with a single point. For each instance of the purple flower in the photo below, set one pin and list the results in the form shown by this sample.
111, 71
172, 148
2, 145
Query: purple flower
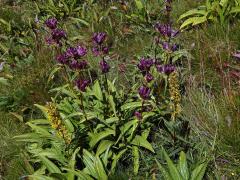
62, 58
95, 51
83, 64
58, 34
82, 84
105, 50
145, 64
166, 30
78, 65
144, 92
138, 115
166, 46
148, 77
175, 47
51, 23
167, 69
80, 51
70, 52
104, 66
99, 38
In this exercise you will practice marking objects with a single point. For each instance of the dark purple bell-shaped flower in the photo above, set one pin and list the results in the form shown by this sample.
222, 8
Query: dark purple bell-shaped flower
80, 51
149, 77
104, 66
82, 84
144, 92
105, 50
57, 35
62, 58
95, 51
51, 23
145, 64
167, 69
99, 38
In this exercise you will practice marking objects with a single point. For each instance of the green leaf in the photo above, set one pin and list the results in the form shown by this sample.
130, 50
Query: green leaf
192, 12
81, 175
39, 129
199, 172
97, 91
100, 169
78, 20
40, 177
71, 165
100, 136
141, 141
4, 81
43, 109
182, 165
51, 75
164, 172
193, 21
116, 158
135, 153
131, 105
235, 10
174, 173
29, 137
103, 146
139, 4
52, 168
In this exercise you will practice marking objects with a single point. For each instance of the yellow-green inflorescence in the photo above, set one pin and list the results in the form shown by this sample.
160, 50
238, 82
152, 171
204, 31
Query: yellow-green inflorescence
175, 96
56, 122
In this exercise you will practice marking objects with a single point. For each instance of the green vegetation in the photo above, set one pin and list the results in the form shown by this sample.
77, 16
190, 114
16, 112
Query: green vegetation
119, 90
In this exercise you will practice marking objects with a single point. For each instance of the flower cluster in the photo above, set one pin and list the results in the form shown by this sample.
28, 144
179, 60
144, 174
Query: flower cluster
72, 57
175, 95
144, 66
167, 68
100, 49
56, 34
56, 122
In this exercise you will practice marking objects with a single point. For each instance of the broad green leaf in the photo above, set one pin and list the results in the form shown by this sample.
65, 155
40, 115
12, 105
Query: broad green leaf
193, 21
235, 10
43, 109
174, 173
100, 136
182, 165
199, 172
52, 168
29, 137
131, 105
4, 81
82, 21
71, 165
39, 129
141, 141
163, 171
103, 146
139, 4
192, 12
116, 158
135, 153
97, 91
81, 175
40, 177
100, 169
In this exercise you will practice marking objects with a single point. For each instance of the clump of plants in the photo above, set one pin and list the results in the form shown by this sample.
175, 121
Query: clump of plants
92, 126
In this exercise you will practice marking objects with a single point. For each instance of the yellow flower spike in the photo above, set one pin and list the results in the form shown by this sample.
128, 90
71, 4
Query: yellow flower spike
175, 95
56, 122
